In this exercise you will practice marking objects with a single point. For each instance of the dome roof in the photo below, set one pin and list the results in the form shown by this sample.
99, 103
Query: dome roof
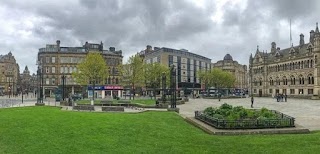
227, 57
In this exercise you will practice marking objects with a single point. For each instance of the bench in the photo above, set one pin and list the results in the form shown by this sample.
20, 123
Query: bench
113, 108
84, 107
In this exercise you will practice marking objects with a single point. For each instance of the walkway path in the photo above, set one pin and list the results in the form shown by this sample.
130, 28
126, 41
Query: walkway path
306, 112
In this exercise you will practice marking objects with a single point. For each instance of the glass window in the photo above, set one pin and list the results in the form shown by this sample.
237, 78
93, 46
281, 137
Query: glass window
47, 81
53, 70
61, 69
53, 59
53, 80
47, 69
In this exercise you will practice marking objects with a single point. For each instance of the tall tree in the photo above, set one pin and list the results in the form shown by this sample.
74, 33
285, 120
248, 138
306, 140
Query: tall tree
205, 78
93, 70
221, 79
133, 73
153, 75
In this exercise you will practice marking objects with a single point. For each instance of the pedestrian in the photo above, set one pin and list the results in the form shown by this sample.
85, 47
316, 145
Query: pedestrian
285, 97
252, 101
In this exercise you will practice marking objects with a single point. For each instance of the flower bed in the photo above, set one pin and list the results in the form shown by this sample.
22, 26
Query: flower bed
228, 117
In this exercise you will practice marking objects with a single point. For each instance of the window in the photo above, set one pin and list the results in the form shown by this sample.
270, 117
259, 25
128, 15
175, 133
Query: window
65, 69
300, 91
53, 70
53, 59
47, 81
310, 91
70, 69
254, 90
47, 59
47, 69
53, 80
270, 91
291, 91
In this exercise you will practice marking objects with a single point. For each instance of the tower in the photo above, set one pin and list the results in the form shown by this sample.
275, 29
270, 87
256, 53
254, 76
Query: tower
316, 44
273, 47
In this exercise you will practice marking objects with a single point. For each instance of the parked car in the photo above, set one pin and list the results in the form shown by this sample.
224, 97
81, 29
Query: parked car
77, 97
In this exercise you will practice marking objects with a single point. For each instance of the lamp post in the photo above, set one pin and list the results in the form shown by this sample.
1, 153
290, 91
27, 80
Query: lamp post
173, 86
251, 74
63, 77
164, 80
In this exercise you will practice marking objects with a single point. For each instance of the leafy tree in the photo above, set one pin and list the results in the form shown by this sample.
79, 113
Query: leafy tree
221, 79
133, 73
93, 70
205, 78
153, 75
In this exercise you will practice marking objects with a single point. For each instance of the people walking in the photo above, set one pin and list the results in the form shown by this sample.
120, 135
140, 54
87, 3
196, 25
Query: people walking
252, 100
285, 97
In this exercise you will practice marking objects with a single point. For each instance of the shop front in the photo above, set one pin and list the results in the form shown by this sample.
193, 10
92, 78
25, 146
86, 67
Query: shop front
108, 91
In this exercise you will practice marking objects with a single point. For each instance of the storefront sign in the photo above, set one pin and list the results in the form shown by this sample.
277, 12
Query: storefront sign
109, 87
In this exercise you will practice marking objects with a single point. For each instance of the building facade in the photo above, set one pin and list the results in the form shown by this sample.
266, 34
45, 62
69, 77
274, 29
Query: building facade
293, 71
27, 82
239, 71
9, 75
186, 63
56, 61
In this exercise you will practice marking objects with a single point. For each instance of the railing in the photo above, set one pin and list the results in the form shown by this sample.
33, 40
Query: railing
283, 121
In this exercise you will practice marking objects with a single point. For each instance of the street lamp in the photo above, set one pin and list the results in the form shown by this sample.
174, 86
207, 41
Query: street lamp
164, 80
63, 78
173, 86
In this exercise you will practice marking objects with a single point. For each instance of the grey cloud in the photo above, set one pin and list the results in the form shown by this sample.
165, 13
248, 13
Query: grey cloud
131, 25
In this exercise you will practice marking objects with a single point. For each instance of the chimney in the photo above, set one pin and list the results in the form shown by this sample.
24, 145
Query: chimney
273, 47
112, 49
149, 48
58, 45
301, 39
311, 36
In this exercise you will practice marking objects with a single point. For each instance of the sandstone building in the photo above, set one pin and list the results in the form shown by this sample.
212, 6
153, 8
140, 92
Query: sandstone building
238, 70
9, 74
294, 71
56, 61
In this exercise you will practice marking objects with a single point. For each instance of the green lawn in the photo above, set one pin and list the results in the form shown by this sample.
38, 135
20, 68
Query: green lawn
144, 101
50, 130
138, 101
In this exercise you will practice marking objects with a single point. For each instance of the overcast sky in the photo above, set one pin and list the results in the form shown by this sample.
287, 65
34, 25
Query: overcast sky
209, 28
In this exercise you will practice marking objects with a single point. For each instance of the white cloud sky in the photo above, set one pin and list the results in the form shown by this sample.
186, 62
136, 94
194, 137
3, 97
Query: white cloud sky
210, 28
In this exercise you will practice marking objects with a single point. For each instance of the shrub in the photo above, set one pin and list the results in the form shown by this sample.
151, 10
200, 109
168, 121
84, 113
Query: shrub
226, 106
209, 111
218, 116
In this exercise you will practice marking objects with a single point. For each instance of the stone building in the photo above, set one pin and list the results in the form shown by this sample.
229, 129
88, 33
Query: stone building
293, 71
27, 82
56, 61
186, 63
238, 70
9, 74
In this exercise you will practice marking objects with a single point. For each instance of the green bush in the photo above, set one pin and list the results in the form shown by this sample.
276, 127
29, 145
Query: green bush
218, 116
226, 106
226, 111
209, 111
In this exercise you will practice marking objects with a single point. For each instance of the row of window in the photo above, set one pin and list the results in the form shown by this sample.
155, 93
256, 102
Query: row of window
284, 91
288, 66
300, 80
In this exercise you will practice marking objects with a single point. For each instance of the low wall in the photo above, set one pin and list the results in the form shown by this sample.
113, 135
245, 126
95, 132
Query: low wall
113, 108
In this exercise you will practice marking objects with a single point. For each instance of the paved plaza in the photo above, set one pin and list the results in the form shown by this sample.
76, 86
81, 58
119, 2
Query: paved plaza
306, 112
